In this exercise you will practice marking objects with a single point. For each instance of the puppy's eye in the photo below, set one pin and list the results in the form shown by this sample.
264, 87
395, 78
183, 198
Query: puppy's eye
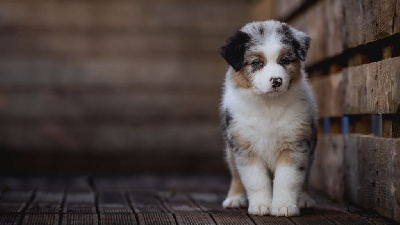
286, 61
257, 64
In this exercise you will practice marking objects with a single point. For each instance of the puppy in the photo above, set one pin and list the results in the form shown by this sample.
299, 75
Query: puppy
269, 119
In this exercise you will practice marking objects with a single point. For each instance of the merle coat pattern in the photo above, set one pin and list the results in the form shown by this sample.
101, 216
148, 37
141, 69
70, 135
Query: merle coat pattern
269, 119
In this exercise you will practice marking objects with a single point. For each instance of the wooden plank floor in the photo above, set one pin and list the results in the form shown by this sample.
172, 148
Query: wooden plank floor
145, 199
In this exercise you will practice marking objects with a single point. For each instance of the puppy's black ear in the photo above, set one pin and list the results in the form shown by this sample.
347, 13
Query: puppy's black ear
304, 43
234, 49
298, 40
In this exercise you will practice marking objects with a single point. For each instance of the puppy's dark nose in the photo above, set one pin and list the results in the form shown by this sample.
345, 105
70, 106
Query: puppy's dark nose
276, 82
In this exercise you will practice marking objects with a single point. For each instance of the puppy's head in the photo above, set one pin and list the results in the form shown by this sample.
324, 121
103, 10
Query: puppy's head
266, 56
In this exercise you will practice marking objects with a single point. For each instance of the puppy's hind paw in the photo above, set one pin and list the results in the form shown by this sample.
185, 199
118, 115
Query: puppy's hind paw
259, 210
290, 210
306, 201
237, 201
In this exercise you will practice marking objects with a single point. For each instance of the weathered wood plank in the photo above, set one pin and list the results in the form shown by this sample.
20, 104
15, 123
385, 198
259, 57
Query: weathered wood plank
344, 24
373, 88
14, 201
78, 218
271, 220
209, 202
325, 32
80, 203
334, 26
352, 171
330, 92
157, 218
38, 219
112, 202
179, 203
146, 203
342, 218
197, 218
327, 172
315, 29
46, 202
367, 21
369, 169
397, 18
231, 218
311, 216
10, 219
112, 219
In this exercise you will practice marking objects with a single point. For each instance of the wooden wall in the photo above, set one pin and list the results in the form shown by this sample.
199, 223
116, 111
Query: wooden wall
354, 67
113, 85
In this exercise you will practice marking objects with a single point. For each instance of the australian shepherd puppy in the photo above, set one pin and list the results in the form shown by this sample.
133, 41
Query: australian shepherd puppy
269, 119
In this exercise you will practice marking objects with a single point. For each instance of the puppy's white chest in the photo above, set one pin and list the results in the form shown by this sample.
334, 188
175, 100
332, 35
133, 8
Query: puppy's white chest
268, 128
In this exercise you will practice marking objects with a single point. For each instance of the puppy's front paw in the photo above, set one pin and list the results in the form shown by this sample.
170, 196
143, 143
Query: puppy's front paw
237, 201
260, 210
290, 210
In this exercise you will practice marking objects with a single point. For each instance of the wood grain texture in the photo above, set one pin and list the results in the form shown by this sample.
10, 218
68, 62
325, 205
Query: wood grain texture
327, 172
330, 93
367, 168
325, 32
373, 88
368, 21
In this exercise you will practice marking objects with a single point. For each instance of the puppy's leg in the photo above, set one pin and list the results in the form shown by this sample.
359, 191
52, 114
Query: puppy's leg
257, 184
305, 199
237, 195
290, 174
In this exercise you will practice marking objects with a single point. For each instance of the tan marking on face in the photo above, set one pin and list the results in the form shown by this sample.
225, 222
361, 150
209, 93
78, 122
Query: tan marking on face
258, 56
281, 54
294, 71
244, 77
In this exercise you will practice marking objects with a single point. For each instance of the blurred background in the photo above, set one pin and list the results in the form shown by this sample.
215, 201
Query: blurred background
127, 86
114, 86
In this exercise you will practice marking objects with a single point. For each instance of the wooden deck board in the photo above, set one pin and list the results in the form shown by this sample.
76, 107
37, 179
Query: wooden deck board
146, 199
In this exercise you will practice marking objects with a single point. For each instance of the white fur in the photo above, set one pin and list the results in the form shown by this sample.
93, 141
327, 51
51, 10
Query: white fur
258, 187
236, 201
267, 122
261, 82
